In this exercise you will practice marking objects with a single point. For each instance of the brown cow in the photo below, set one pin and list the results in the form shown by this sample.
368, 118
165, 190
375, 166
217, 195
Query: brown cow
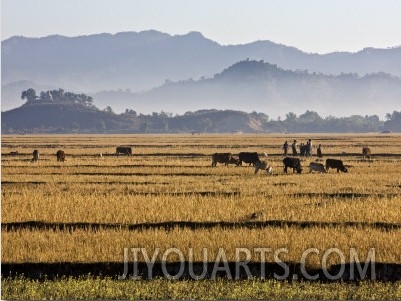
226, 158
366, 153
60, 156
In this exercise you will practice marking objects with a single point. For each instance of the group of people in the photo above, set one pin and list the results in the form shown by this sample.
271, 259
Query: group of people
304, 149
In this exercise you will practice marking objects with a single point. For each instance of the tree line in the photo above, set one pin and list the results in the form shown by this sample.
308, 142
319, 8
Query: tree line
213, 121
56, 96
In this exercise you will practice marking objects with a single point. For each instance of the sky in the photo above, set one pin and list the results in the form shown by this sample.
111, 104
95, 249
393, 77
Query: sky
314, 26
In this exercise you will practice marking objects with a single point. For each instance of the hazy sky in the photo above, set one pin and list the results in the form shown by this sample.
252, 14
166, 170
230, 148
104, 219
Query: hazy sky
311, 25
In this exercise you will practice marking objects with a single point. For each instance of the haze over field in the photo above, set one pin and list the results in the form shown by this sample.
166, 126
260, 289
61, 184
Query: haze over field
341, 64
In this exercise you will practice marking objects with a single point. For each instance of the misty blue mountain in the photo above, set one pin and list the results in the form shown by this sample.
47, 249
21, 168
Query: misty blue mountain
258, 86
154, 71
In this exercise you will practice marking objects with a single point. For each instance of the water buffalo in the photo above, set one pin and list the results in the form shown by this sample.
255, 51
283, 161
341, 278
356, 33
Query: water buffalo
251, 158
35, 156
293, 163
226, 158
336, 164
319, 167
60, 156
124, 150
366, 153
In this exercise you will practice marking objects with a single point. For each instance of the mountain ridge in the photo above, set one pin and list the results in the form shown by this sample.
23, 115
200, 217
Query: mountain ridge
258, 86
133, 47
142, 61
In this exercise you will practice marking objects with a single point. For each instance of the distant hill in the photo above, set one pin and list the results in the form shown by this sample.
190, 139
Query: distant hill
36, 117
143, 60
74, 118
62, 118
258, 86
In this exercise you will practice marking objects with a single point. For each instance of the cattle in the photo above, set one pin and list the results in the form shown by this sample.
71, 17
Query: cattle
250, 158
226, 158
35, 156
124, 150
335, 164
263, 165
293, 163
319, 167
366, 153
60, 156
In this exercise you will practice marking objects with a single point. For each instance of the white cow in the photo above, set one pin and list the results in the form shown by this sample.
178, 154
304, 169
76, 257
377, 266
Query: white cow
263, 165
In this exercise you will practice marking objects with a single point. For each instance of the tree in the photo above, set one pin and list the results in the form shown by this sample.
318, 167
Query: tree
130, 112
45, 96
290, 117
85, 100
108, 109
393, 122
310, 116
30, 95
57, 95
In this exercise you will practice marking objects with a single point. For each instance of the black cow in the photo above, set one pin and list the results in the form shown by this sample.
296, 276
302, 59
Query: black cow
293, 163
60, 155
226, 158
336, 164
251, 158
35, 156
125, 150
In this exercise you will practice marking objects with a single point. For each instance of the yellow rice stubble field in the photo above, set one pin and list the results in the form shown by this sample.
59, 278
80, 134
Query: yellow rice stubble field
168, 195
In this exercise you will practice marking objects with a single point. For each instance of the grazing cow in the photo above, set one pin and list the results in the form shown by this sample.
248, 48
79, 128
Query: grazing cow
251, 158
336, 164
366, 153
263, 165
226, 158
319, 167
60, 156
125, 150
35, 156
293, 163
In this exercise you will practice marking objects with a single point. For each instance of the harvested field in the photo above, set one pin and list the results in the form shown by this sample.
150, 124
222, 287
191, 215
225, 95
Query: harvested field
88, 210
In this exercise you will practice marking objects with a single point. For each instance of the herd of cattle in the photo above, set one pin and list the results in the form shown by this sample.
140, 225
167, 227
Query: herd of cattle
250, 158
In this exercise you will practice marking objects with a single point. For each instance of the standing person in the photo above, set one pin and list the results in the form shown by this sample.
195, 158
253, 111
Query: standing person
285, 148
302, 150
319, 151
294, 148
309, 148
